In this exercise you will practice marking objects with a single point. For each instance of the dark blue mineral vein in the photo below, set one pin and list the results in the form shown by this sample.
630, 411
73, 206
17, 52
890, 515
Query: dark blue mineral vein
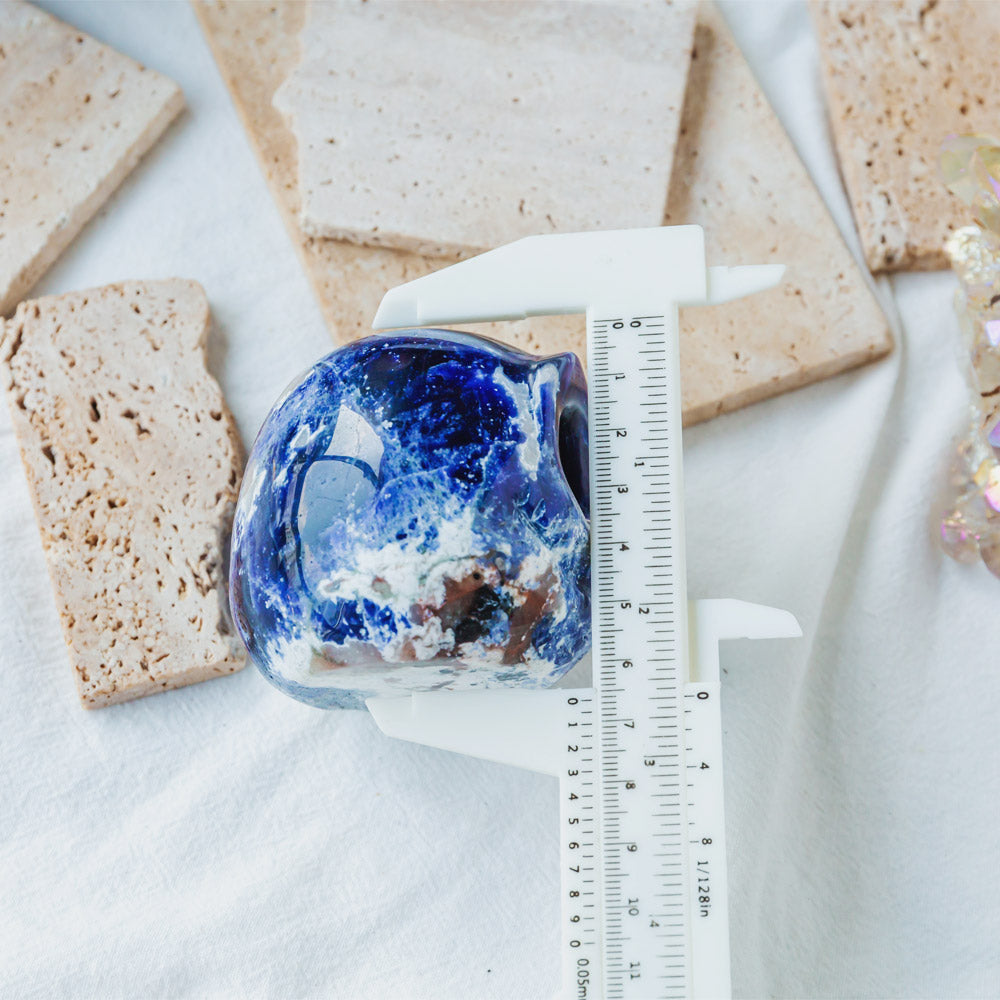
414, 516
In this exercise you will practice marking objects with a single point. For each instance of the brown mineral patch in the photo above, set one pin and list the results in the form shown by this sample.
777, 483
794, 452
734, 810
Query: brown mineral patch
536, 604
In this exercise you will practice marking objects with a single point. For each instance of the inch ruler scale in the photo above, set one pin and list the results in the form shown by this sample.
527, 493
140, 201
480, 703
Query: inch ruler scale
640, 649
638, 755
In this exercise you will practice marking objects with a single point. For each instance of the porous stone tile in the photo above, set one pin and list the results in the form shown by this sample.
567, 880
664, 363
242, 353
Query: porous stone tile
133, 462
448, 126
901, 75
758, 205
754, 198
75, 118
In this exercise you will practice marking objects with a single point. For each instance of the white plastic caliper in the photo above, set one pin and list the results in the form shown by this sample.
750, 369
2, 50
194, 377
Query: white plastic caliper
639, 755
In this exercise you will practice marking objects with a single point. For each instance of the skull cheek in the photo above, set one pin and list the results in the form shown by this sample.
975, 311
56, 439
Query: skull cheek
445, 546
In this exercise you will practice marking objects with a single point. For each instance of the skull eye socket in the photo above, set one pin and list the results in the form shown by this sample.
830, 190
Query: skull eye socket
573, 456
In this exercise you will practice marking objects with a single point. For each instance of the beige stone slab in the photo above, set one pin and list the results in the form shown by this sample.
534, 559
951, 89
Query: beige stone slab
133, 462
255, 46
900, 76
452, 126
758, 205
76, 118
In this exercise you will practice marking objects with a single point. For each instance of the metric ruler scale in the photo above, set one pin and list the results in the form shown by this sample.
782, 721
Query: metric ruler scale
595, 898
639, 658
639, 755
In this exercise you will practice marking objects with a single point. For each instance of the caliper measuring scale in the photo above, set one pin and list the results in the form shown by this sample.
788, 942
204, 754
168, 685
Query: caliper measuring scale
639, 755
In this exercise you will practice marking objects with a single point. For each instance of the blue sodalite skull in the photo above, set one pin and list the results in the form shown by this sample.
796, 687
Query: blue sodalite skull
414, 517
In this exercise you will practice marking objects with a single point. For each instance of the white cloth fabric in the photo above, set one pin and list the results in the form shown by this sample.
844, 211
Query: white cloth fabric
226, 841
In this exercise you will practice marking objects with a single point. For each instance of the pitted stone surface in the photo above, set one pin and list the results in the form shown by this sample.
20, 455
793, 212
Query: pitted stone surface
133, 463
77, 117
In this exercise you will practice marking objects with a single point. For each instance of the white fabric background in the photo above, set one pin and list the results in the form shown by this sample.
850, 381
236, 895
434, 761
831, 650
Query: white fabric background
226, 841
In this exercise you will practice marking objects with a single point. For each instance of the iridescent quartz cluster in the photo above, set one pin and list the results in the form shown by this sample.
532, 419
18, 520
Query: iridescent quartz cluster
970, 524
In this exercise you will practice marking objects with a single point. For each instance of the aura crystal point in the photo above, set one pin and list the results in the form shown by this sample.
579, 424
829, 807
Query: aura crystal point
414, 517
970, 168
970, 517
